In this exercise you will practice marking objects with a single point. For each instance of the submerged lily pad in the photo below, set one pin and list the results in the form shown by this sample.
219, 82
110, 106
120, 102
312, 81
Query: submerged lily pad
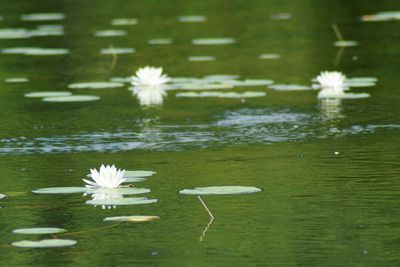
133, 218
132, 174
124, 21
47, 94
193, 18
222, 94
111, 51
213, 41
60, 190
45, 243
220, 190
95, 85
39, 230
159, 41
72, 98
345, 43
121, 201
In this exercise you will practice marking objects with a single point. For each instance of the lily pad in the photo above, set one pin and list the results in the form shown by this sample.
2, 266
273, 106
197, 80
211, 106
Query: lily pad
204, 86
110, 33
60, 190
16, 80
14, 33
111, 51
344, 43
329, 94
213, 41
72, 98
135, 179
220, 77
2, 196
289, 87
269, 56
95, 85
193, 18
134, 174
35, 51
47, 94
133, 218
201, 58
45, 243
39, 231
121, 79
220, 190
43, 17
159, 41
121, 201
251, 82
222, 94
124, 22
119, 191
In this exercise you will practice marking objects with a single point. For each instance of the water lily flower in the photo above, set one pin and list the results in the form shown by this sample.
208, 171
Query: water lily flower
332, 84
108, 177
150, 76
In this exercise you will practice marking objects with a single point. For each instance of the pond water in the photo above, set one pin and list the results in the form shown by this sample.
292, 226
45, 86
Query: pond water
329, 169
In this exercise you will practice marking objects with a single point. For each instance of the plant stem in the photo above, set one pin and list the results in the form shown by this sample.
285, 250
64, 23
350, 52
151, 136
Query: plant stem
205, 206
337, 32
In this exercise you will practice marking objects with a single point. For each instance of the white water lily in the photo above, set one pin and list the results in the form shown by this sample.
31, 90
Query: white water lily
150, 76
148, 96
332, 84
108, 177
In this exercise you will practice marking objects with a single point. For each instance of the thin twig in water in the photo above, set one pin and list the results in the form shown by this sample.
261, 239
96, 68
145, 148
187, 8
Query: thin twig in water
338, 57
206, 229
88, 231
205, 206
337, 32
114, 57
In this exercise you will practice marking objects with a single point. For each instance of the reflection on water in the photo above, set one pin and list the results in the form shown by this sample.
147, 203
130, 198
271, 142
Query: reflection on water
331, 108
149, 95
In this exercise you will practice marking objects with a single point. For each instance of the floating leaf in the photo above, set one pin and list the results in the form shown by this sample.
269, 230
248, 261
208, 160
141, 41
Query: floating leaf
222, 94
95, 85
43, 16
220, 77
109, 33
220, 190
121, 79
119, 191
72, 98
213, 41
194, 18
330, 94
289, 87
121, 201
111, 51
250, 82
201, 58
124, 21
269, 56
47, 94
35, 51
45, 243
133, 218
159, 41
14, 33
60, 190
345, 43
39, 230
2, 196
135, 179
131, 174
16, 80
204, 86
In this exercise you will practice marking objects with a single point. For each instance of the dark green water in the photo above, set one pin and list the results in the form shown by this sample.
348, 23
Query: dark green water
316, 208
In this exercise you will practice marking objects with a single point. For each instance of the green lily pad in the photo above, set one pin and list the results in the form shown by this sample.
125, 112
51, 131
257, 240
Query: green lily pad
289, 87
119, 191
269, 56
14, 33
213, 41
334, 95
345, 43
193, 18
252, 82
220, 190
135, 179
222, 94
112, 51
35, 51
109, 33
42, 17
133, 218
204, 86
220, 77
39, 231
95, 85
45, 243
121, 201
60, 190
124, 22
201, 58
159, 41
72, 98
131, 174
16, 80
47, 94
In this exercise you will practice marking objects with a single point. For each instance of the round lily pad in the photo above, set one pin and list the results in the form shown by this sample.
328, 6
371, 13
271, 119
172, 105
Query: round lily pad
289, 87
119, 191
222, 94
39, 230
72, 98
14, 33
16, 80
95, 85
60, 190
329, 94
135, 179
35, 51
134, 218
345, 43
121, 201
213, 41
45, 243
269, 56
47, 94
220, 190
193, 18
109, 33
131, 174
201, 58
42, 16
220, 77
111, 51
159, 41
124, 21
